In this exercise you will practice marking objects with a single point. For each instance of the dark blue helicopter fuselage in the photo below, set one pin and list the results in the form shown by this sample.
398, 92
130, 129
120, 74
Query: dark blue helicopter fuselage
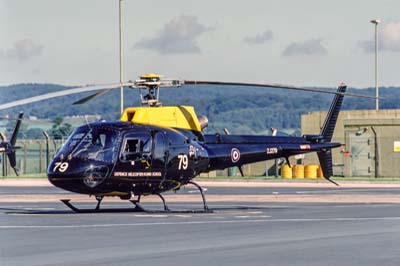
121, 158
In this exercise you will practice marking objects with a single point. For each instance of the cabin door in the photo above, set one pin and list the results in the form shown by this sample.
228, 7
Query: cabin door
159, 156
135, 158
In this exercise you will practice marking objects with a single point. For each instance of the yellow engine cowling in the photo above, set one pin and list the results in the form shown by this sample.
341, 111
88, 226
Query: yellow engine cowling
166, 116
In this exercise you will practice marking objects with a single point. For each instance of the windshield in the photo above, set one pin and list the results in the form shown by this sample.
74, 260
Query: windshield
99, 144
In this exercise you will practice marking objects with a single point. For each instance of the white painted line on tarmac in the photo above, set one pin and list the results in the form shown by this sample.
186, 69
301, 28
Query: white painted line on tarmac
196, 191
345, 190
343, 219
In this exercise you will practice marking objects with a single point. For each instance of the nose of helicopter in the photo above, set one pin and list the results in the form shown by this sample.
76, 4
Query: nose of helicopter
68, 182
80, 178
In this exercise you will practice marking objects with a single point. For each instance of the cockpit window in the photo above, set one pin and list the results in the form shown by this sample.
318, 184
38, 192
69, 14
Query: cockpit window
99, 144
73, 140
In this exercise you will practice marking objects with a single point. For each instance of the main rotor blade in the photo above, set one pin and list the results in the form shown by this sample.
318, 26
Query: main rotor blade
88, 98
56, 94
274, 86
103, 91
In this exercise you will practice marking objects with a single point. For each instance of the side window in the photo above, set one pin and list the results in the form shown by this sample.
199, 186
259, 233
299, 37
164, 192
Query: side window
131, 146
135, 146
130, 150
145, 145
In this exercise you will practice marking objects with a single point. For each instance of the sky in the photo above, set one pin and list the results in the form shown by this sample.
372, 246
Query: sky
303, 43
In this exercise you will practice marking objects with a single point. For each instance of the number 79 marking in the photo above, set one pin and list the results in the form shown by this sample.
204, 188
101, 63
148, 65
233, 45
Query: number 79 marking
183, 162
61, 166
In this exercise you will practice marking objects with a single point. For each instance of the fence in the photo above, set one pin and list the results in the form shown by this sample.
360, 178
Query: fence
33, 157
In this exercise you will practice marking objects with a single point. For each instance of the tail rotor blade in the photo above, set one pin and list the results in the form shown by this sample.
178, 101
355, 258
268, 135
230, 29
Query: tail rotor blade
13, 161
14, 136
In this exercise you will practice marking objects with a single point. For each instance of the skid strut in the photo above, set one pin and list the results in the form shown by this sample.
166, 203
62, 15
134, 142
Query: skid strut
138, 207
99, 199
163, 200
137, 203
206, 209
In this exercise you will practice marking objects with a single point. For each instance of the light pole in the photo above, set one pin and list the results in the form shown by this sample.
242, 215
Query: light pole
120, 57
376, 22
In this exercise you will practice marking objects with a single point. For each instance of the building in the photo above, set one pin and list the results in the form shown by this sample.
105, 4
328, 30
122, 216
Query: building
371, 142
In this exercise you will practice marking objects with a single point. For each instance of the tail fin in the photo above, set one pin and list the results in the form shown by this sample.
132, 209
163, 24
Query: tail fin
14, 136
331, 117
325, 156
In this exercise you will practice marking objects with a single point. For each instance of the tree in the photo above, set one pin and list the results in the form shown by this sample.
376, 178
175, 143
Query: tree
60, 130
34, 133
10, 126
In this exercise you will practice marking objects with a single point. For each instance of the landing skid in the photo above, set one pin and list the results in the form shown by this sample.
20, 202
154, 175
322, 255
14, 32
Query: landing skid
137, 208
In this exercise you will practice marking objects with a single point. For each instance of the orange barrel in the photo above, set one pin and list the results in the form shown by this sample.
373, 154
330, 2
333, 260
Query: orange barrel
286, 171
320, 174
310, 171
298, 171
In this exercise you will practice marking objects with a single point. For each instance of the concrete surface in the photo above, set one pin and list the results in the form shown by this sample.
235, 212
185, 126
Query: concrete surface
239, 231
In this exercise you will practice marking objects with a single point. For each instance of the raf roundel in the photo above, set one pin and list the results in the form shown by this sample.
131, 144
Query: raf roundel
235, 155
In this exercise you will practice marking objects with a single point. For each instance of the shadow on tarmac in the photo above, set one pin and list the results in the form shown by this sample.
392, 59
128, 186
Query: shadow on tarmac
14, 211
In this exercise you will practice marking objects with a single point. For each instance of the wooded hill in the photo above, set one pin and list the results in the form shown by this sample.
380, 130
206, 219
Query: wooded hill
240, 109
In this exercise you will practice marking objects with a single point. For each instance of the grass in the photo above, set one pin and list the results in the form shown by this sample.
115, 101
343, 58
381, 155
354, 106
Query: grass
42, 175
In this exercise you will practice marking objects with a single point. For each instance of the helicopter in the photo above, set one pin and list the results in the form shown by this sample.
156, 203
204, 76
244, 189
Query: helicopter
153, 148
9, 148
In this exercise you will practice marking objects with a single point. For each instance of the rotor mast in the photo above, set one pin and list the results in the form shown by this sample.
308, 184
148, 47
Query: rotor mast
150, 83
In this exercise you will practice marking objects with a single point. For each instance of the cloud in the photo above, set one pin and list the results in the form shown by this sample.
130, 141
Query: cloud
366, 46
259, 38
178, 36
22, 50
310, 47
389, 39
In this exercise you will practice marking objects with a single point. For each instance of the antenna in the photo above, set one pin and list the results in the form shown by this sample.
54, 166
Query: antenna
87, 122
120, 57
